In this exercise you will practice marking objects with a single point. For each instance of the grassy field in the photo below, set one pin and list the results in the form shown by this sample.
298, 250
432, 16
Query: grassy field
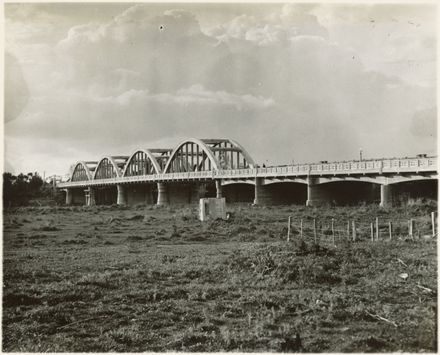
156, 279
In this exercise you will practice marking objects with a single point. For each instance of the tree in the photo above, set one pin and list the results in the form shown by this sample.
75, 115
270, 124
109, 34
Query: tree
18, 190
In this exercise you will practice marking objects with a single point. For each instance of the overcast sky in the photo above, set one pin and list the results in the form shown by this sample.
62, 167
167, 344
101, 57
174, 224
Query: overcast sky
289, 82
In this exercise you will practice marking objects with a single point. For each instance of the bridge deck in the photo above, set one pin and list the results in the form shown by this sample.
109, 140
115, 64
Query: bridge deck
370, 167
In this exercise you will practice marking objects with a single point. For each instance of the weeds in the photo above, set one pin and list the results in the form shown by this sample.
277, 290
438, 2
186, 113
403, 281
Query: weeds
166, 282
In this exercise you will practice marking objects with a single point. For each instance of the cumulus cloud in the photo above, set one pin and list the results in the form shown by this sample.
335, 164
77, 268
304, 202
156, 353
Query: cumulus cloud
277, 82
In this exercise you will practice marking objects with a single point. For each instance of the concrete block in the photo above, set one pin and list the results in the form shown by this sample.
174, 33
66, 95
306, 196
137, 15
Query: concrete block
212, 208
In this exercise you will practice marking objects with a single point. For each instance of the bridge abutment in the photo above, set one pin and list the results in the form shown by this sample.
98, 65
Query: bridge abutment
386, 196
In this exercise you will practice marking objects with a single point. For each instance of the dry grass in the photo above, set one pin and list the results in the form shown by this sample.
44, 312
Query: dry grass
156, 279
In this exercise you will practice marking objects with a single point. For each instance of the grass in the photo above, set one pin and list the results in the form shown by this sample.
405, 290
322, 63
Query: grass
156, 279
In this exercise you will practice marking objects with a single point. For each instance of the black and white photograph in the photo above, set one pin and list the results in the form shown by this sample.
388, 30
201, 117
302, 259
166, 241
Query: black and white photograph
246, 177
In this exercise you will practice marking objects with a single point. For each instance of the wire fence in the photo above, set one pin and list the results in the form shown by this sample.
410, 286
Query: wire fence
333, 230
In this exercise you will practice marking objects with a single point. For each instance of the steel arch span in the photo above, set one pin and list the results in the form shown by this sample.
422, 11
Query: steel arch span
109, 167
146, 162
83, 171
208, 154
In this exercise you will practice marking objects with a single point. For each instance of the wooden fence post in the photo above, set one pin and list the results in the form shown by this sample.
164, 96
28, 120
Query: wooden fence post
301, 229
372, 231
354, 230
390, 228
411, 228
433, 223
288, 229
377, 228
348, 230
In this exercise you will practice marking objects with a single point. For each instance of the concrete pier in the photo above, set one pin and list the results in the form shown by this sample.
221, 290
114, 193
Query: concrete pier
69, 196
315, 193
90, 197
162, 196
258, 190
122, 198
218, 189
386, 196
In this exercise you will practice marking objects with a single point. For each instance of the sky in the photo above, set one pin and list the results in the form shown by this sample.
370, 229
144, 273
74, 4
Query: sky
291, 82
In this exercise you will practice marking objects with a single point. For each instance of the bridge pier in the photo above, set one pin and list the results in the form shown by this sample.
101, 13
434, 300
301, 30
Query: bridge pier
162, 196
218, 189
386, 196
315, 193
258, 187
263, 195
121, 199
90, 197
69, 196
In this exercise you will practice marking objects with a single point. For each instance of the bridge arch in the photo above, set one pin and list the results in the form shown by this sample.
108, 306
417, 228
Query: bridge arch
82, 171
108, 167
208, 154
142, 162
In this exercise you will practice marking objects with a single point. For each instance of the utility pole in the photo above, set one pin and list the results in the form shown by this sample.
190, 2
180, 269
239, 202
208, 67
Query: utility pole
360, 154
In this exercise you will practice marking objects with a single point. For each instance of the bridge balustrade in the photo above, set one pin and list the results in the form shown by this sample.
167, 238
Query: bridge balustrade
372, 166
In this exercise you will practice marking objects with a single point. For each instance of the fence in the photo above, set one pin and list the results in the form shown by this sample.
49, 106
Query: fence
381, 228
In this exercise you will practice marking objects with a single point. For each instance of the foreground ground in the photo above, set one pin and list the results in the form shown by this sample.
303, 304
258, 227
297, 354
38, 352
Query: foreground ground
156, 279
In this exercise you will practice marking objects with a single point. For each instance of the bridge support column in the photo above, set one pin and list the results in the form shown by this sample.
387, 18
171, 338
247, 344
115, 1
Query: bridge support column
90, 197
218, 189
69, 196
386, 196
258, 187
315, 195
162, 196
121, 199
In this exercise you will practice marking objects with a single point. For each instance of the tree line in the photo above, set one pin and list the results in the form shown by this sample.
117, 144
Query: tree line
19, 190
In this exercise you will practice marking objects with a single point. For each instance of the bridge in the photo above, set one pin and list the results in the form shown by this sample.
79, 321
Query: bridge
198, 168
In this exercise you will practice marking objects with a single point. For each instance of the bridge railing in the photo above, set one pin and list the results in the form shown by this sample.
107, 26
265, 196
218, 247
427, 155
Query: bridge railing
380, 166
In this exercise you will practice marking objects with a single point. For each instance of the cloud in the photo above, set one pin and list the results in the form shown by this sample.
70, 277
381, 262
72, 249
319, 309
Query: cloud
16, 89
279, 83
424, 123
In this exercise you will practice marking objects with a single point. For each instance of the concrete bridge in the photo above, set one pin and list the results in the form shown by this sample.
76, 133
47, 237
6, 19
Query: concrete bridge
223, 168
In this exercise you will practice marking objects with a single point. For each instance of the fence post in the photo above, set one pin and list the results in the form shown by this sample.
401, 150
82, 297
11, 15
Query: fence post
390, 227
314, 228
372, 231
348, 230
288, 229
411, 228
301, 228
333, 231
377, 228
433, 223
354, 230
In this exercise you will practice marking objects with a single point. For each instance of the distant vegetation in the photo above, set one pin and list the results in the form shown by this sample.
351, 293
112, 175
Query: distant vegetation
19, 190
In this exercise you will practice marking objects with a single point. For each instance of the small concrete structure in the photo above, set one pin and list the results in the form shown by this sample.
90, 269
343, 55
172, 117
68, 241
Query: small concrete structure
212, 208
